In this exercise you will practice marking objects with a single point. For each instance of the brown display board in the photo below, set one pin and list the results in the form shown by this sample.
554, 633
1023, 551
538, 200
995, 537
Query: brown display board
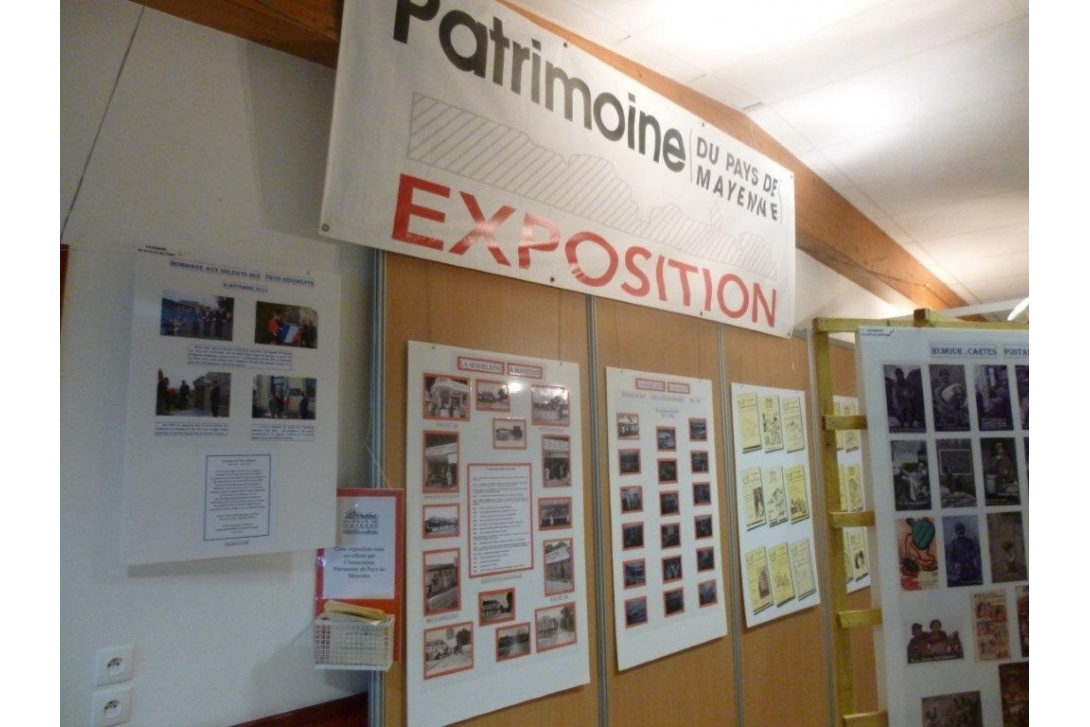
777, 673
784, 662
456, 307
698, 683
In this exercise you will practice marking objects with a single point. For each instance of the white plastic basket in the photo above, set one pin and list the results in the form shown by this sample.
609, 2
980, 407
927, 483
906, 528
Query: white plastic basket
353, 644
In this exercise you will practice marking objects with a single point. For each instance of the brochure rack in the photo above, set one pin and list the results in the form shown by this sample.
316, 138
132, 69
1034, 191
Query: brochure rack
353, 644
836, 519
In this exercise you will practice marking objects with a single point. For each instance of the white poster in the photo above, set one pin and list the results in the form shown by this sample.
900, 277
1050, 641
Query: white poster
232, 411
465, 134
668, 590
775, 502
496, 606
947, 449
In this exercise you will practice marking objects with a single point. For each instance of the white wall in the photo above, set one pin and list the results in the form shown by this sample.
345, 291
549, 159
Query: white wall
210, 146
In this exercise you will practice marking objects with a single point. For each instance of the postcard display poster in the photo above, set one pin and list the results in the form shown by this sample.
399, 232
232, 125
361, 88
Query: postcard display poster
667, 574
948, 455
496, 598
776, 524
849, 458
231, 444
465, 134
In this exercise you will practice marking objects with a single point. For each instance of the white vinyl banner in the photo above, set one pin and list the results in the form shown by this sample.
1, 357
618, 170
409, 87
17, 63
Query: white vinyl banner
465, 134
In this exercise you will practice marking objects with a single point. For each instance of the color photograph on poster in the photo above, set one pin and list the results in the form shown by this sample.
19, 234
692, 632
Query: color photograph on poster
776, 527
237, 480
495, 576
949, 487
665, 514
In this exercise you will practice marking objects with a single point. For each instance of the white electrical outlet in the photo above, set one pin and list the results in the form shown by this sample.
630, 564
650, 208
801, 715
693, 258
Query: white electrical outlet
113, 664
111, 707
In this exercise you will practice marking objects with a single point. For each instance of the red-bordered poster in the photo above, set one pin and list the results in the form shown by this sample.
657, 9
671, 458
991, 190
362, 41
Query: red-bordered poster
495, 608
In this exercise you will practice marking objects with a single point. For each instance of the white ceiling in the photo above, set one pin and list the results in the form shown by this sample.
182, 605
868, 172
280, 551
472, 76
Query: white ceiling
917, 111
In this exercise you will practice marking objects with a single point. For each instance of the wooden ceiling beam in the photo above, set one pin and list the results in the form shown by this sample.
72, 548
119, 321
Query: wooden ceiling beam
307, 29
828, 228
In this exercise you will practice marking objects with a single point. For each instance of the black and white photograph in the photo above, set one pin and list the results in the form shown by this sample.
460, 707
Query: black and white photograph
961, 541
702, 493
441, 462
496, 606
508, 433
192, 393
707, 593
671, 535
197, 316
280, 324
284, 397
555, 627
671, 568
705, 559
957, 481
667, 469
441, 521
669, 504
632, 535
957, 710
556, 460
666, 438
559, 566
1021, 380
1000, 471
698, 429
628, 426
632, 499
1007, 547
993, 398
674, 602
447, 397
512, 641
635, 611
492, 396
628, 460
703, 526
949, 398
911, 474
554, 513
448, 649
904, 398
549, 405
442, 581
635, 573
698, 461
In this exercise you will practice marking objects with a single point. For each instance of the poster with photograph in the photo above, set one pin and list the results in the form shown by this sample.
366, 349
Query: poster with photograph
945, 463
495, 573
849, 457
205, 476
664, 499
776, 524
